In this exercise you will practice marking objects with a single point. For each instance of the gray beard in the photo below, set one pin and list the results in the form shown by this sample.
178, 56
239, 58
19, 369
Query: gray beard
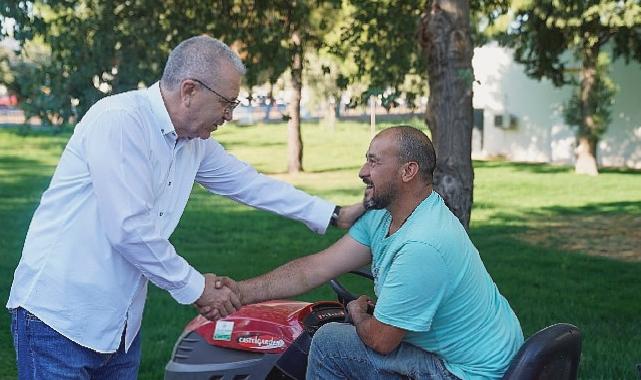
369, 204
379, 202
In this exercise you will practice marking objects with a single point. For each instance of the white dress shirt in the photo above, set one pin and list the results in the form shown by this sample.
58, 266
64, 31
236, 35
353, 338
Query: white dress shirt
102, 227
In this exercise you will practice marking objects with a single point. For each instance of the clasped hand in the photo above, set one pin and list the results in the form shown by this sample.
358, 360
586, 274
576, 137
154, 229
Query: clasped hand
360, 307
219, 299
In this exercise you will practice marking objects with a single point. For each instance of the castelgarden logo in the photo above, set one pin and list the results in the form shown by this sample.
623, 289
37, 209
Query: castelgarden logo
261, 342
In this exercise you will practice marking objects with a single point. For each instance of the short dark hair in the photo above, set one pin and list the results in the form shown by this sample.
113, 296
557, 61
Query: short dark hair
414, 145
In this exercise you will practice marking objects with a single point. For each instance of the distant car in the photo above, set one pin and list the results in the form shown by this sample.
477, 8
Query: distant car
248, 115
8, 101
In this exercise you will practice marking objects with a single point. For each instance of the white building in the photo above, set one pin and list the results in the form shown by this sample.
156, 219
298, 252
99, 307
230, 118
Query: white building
521, 119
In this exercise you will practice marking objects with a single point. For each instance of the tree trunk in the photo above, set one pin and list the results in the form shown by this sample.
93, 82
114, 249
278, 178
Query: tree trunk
270, 98
372, 117
329, 117
587, 134
445, 38
585, 156
294, 140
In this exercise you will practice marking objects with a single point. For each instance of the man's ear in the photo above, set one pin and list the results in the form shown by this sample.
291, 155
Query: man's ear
409, 170
187, 91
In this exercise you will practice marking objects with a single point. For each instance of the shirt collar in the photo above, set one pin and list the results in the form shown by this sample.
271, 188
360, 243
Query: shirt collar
160, 110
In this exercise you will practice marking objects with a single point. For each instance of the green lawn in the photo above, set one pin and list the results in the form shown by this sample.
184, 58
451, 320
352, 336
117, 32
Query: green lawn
537, 227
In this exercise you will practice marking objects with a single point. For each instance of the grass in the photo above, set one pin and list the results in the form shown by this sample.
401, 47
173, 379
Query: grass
538, 228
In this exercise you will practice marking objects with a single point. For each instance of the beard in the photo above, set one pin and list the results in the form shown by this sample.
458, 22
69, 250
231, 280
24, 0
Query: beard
380, 200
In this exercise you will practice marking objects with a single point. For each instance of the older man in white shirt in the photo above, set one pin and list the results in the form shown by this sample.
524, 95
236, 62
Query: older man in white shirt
102, 228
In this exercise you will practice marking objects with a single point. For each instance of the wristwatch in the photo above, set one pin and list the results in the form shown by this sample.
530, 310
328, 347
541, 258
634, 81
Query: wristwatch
333, 221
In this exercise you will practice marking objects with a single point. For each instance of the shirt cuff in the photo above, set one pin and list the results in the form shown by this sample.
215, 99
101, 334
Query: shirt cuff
192, 290
324, 210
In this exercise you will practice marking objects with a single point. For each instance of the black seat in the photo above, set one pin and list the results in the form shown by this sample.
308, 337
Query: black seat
552, 353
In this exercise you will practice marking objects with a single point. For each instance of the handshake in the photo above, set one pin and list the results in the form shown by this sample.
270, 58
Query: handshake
220, 298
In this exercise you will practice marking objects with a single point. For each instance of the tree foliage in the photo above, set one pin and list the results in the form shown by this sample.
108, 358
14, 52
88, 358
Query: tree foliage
103, 46
99, 47
550, 37
432, 40
600, 100
542, 32
380, 37
275, 36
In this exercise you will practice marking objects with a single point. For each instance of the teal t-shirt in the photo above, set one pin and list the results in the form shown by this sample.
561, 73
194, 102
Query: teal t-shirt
429, 280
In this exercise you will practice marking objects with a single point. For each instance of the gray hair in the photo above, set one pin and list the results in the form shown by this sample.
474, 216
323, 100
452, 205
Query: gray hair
199, 57
414, 145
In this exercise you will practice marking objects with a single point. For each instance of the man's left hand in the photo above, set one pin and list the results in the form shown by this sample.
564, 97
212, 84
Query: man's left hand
381, 337
348, 215
357, 309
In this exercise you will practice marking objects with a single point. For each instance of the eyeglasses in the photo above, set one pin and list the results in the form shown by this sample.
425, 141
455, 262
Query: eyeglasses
231, 104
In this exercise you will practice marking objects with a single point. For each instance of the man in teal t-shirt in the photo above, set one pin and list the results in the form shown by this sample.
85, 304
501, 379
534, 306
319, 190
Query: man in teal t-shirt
438, 313
431, 282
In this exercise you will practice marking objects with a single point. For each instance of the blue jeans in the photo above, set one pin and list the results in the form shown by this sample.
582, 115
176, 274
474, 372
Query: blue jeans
337, 352
43, 353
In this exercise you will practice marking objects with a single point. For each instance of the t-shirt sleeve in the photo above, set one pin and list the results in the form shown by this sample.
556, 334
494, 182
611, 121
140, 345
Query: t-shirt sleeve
413, 289
360, 231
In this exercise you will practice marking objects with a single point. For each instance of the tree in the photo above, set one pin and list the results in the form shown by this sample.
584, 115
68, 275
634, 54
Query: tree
543, 32
7, 59
445, 38
322, 80
30, 82
104, 46
380, 38
99, 47
599, 101
273, 37
95, 49
432, 39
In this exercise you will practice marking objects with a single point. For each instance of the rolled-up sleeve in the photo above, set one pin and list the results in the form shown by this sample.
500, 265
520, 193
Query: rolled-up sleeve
223, 174
118, 156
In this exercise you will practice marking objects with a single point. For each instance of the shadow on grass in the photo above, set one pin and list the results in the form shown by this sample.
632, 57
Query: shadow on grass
546, 168
611, 229
22, 177
37, 130
599, 208
19, 194
346, 192
547, 283
544, 284
353, 168
232, 144
524, 167
15, 164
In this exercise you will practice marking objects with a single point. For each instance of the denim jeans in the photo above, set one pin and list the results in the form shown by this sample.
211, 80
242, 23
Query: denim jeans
337, 352
43, 353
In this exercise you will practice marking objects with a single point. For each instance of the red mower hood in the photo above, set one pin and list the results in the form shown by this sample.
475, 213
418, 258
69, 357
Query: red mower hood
267, 327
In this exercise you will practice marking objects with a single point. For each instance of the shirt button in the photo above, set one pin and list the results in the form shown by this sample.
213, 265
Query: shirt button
162, 130
161, 214
169, 183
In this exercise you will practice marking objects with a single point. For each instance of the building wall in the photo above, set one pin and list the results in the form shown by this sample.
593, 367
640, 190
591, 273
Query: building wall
540, 134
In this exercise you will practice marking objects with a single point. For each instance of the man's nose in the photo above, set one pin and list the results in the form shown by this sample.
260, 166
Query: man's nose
363, 172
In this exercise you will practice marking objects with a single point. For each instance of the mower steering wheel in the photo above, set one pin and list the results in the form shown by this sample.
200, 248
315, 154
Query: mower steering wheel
345, 296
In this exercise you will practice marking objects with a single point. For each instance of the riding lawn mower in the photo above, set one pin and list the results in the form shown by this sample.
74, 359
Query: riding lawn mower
271, 340
268, 340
